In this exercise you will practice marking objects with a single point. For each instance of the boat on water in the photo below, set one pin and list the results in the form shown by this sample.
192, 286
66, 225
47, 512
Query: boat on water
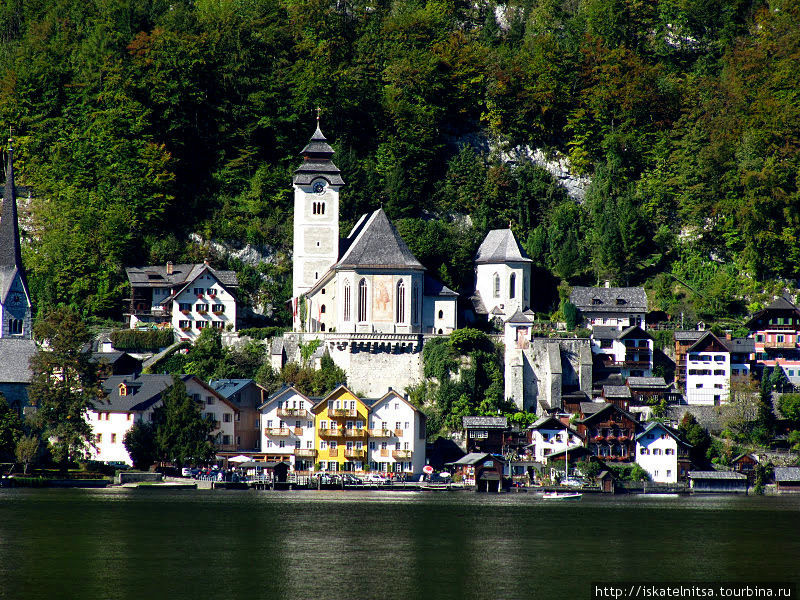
562, 496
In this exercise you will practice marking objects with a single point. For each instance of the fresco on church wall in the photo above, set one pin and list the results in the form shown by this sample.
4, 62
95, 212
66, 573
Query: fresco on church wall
382, 298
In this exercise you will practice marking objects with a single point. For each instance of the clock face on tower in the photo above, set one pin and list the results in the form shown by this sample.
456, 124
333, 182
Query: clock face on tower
318, 187
15, 299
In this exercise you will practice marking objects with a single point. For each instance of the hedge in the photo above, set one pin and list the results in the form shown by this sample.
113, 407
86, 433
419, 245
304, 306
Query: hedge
142, 341
262, 333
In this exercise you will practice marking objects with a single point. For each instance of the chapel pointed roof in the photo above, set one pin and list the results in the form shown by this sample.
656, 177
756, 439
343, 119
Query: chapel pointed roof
377, 244
500, 246
10, 252
317, 162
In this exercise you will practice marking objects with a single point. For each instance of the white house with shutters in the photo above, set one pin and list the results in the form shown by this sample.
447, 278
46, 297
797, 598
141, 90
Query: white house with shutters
287, 428
549, 436
663, 454
396, 435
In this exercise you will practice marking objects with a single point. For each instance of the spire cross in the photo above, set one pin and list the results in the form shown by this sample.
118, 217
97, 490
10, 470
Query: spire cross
319, 110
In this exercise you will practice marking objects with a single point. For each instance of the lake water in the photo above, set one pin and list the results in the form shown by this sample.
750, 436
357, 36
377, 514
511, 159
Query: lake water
193, 545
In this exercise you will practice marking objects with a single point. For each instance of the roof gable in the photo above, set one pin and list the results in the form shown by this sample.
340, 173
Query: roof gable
500, 246
708, 343
379, 245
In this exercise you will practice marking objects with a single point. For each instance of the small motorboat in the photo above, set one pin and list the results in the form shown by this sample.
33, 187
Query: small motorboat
562, 496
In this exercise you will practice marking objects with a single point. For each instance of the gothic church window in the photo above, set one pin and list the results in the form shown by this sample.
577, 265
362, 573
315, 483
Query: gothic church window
15, 326
512, 286
401, 302
415, 303
362, 300
496, 285
346, 300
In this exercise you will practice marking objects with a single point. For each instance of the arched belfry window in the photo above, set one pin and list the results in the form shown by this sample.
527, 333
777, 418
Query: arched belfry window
400, 311
346, 300
512, 286
362, 300
496, 280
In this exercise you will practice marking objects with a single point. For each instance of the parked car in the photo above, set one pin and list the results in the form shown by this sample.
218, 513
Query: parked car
375, 479
186, 472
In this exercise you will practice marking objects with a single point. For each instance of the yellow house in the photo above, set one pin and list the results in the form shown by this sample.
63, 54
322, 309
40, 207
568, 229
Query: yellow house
340, 426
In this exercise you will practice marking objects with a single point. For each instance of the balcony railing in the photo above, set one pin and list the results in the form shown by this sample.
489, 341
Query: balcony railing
355, 433
333, 453
277, 431
342, 412
398, 432
401, 454
331, 433
353, 453
293, 412
780, 345
384, 452
380, 433
305, 453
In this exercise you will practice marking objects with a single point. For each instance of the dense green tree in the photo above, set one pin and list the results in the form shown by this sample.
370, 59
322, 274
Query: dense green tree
140, 442
10, 430
182, 434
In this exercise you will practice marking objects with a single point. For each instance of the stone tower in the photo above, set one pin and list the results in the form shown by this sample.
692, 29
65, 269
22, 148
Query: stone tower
316, 215
15, 300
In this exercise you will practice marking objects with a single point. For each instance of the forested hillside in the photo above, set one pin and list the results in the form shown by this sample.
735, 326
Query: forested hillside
138, 122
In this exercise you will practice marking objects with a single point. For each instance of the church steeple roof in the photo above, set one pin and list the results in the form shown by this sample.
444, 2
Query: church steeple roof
317, 162
10, 254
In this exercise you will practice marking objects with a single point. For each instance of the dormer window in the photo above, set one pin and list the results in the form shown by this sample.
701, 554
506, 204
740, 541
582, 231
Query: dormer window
123, 389
596, 301
621, 301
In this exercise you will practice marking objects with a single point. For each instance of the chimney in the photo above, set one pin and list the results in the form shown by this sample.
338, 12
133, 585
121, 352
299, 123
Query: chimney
205, 261
390, 389
169, 267
728, 335
607, 284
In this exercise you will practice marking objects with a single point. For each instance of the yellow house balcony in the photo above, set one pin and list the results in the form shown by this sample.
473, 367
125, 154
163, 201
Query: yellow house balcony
342, 412
277, 431
332, 453
357, 454
331, 433
355, 433
293, 412
401, 454
380, 433
305, 453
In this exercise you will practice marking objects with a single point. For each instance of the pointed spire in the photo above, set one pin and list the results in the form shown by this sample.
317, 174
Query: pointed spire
317, 161
10, 254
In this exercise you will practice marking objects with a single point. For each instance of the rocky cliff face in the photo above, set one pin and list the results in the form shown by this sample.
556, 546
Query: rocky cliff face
555, 163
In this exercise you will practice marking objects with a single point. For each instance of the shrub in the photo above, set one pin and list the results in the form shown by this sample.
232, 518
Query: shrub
142, 341
262, 333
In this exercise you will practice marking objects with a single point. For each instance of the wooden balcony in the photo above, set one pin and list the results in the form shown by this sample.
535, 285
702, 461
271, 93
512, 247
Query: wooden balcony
357, 454
398, 432
401, 454
342, 412
331, 433
385, 453
380, 433
331, 453
780, 345
355, 433
305, 453
277, 431
301, 413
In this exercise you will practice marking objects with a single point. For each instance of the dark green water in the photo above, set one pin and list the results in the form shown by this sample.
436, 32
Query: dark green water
193, 545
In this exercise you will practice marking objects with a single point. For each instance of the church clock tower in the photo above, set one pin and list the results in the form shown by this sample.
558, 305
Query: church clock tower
316, 214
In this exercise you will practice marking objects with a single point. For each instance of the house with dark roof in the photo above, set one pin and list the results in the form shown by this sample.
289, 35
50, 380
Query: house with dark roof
485, 434
481, 469
608, 431
502, 276
619, 307
186, 297
709, 482
713, 365
370, 281
787, 479
775, 330
397, 432
133, 398
683, 341
549, 436
662, 453
117, 362
627, 351
247, 396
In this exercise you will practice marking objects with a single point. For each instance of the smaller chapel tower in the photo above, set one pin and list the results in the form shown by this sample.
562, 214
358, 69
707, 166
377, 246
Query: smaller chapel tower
15, 300
316, 215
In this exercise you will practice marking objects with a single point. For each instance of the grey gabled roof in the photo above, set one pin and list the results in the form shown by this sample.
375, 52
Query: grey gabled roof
740, 345
605, 332
474, 458
787, 474
717, 475
688, 336
646, 382
317, 162
519, 318
433, 287
378, 245
633, 299
485, 422
15, 355
228, 387
477, 304
143, 392
182, 274
500, 246
656, 425
616, 391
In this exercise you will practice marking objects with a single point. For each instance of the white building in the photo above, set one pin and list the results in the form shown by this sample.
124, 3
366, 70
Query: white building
549, 436
628, 351
287, 428
502, 276
661, 453
369, 282
186, 297
611, 306
133, 398
397, 433
710, 366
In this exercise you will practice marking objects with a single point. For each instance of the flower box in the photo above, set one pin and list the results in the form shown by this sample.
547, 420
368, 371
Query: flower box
186, 312
202, 312
218, 312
